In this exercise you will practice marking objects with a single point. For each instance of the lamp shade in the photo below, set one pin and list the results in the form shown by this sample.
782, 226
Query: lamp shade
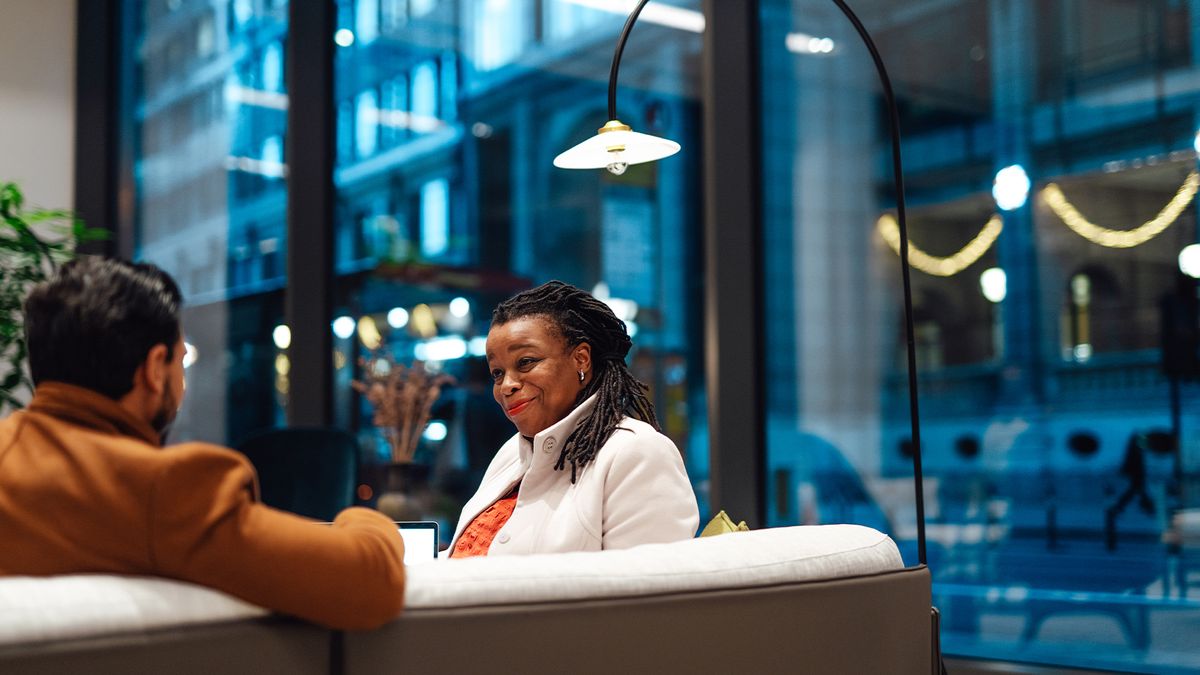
615, 147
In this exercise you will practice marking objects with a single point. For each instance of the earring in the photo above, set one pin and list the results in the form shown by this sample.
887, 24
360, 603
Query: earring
581, 376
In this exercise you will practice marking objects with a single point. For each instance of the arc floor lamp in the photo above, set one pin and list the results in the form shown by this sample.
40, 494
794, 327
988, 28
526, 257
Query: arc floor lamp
616, 146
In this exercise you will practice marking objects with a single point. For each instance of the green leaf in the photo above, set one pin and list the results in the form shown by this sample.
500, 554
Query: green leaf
11, 380
10, 197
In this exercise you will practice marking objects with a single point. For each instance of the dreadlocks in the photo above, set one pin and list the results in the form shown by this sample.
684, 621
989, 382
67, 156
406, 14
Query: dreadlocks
580, 318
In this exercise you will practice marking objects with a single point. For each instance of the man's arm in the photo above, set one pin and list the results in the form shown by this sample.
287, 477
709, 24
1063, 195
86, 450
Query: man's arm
206, 528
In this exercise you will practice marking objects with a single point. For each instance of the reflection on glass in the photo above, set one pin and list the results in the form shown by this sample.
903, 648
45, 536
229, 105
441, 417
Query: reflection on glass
1062, 493
210, 116
449, 115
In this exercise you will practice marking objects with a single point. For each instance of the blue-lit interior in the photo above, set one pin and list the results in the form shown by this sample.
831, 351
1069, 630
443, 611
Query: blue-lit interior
1050, 150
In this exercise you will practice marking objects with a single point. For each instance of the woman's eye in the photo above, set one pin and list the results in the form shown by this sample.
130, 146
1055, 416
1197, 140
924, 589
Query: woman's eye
497, 374
526, 363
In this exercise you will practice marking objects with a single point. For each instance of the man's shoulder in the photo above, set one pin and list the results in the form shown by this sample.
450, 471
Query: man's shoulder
200, 453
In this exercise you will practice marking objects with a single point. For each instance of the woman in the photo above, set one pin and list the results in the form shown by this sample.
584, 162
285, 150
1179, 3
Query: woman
588, 468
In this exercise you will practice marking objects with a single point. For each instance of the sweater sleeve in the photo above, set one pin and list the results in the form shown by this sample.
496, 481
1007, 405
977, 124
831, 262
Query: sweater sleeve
207, 528
648, 497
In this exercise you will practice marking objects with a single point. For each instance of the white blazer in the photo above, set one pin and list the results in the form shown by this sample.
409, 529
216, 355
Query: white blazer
634, 491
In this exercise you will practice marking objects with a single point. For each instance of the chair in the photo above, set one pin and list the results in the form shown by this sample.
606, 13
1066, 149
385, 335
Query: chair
310, 471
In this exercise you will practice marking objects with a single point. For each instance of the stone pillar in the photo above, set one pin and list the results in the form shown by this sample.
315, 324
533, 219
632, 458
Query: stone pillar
1014, 71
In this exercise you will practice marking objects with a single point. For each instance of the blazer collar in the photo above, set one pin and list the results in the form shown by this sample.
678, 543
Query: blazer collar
559, 431
90, 409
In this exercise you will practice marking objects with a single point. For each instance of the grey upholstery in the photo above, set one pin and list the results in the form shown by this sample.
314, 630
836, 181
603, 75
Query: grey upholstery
273, 645
870, 624
874, 624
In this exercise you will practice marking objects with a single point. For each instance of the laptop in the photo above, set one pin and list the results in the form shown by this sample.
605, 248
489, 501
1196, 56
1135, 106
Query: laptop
420, 540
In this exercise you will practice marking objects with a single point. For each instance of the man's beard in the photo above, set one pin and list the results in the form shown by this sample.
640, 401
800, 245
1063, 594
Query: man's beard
166, 413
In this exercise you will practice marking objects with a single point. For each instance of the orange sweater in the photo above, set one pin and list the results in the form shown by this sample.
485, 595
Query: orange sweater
86, 488
476, 540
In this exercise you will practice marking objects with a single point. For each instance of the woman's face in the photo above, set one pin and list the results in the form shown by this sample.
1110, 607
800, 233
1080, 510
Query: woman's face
535, 376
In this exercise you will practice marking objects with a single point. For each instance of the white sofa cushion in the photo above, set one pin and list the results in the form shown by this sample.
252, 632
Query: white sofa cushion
36, 609
733, 560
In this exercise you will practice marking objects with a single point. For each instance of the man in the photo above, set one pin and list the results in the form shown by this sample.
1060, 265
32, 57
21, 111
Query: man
85, 485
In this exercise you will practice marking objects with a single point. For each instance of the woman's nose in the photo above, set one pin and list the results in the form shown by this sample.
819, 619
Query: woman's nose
509, 384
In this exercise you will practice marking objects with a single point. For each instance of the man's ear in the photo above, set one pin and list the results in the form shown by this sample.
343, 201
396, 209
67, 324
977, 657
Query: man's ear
152, 373
582, 357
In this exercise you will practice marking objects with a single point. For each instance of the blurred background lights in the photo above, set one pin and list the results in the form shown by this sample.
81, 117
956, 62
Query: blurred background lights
397, 317
422, 321
1189, 260
994, 284
441, 349
1081, 290
803, 43
436, 431
477, 346
343, 327
190, 354
282, 364
344, 37
460, 307
1011, 187
282, 335
368, 332
626, 310
1196, 142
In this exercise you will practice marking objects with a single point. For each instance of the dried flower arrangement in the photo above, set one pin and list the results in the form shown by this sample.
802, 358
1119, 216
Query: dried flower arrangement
403, 397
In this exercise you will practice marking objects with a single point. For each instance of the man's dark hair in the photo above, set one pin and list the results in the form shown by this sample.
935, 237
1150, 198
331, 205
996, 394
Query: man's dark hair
93, 323
579, 317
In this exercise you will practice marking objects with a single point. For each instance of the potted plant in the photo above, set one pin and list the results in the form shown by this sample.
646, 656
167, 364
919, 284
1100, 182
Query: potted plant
32, 245
403, 398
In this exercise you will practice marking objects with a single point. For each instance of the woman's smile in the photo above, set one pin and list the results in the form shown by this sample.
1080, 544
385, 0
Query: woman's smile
516, 408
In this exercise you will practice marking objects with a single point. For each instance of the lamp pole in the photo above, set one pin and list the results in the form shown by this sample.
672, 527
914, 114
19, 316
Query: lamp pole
594, 156
898, 180
616, 62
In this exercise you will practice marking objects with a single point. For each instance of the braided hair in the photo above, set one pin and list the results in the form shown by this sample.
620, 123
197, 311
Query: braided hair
579, 317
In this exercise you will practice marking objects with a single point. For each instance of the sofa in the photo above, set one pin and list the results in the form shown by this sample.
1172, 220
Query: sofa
829, 599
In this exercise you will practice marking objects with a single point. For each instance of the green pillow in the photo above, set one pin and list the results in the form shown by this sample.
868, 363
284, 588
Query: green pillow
720, 524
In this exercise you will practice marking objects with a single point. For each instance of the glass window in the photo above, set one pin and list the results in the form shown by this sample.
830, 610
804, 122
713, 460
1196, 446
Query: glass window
366, 21
1051, 183
460, 207
425, 95
564, 20
435, 218
366, 126
501, 30
209, 131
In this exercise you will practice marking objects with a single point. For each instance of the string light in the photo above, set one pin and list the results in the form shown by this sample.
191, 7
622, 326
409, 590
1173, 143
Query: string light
950, 265
1057, 201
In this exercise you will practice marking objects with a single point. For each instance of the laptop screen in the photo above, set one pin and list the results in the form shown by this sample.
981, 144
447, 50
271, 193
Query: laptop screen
420, 541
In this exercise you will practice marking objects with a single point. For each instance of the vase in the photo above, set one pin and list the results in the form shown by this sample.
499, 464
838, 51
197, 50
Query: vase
404, 491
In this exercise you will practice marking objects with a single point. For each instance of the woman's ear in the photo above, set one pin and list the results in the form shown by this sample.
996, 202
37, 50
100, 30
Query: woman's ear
582, 357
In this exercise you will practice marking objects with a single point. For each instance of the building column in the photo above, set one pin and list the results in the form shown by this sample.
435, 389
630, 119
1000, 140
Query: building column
1013, 86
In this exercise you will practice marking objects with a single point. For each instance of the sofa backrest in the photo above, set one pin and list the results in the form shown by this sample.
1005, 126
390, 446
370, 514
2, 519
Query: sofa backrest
841, 591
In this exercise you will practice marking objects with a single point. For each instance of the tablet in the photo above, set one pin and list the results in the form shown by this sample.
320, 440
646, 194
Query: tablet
420, 540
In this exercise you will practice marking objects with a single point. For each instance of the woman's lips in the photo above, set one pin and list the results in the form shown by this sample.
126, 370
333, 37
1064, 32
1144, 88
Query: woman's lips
517, 408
